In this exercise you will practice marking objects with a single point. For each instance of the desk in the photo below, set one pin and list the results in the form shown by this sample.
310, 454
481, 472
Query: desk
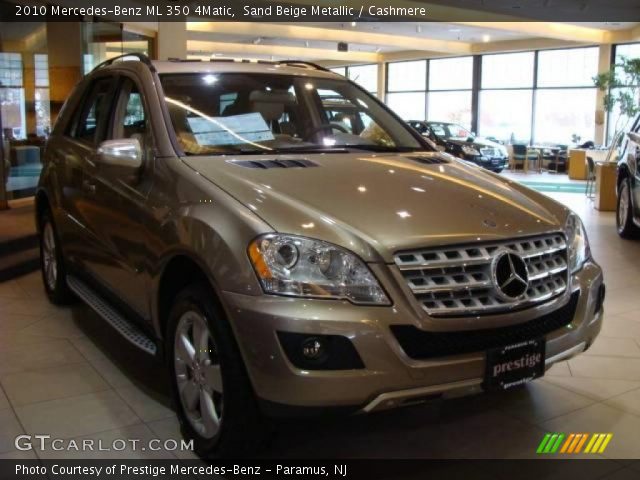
577, 164
605, 186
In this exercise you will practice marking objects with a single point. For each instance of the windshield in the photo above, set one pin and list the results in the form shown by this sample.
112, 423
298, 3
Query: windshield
449, 130
263, 113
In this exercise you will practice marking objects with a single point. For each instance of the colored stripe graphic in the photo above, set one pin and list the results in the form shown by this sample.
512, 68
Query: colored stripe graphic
581, 443
573, 443
543, 443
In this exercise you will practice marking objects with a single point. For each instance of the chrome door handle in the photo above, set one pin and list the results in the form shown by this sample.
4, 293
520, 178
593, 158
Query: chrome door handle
88, 186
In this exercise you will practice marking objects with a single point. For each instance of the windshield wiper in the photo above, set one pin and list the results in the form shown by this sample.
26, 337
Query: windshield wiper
296, 149
381, 148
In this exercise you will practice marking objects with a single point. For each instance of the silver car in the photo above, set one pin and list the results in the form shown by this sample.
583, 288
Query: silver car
286, 244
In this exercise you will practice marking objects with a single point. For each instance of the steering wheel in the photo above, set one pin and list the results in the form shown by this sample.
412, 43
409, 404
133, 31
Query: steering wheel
326, 126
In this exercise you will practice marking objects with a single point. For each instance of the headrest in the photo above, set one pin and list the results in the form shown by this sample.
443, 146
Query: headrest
274, 96
270, 104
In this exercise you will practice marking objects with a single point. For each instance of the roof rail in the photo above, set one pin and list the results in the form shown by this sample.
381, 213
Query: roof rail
122, 58
302, 63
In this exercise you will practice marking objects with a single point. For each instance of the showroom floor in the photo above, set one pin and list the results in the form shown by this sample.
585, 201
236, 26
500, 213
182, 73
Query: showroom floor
63, 372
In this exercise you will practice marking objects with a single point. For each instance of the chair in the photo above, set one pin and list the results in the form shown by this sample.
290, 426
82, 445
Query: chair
589, 190
559, 163
522, 154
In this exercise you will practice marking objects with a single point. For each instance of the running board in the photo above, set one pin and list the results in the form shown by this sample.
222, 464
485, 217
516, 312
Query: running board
111, 315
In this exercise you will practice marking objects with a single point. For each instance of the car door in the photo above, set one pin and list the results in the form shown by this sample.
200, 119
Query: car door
71, 154
119, 213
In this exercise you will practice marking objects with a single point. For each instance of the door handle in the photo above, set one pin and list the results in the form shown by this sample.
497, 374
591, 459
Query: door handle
88, 186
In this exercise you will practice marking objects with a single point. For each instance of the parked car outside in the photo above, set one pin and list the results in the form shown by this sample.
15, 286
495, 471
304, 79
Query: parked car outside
281, 263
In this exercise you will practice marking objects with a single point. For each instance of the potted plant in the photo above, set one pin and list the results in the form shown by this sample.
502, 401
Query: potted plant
621, 85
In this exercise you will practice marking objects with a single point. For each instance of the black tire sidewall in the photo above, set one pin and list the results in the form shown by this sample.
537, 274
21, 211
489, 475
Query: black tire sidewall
60, 294
626, 229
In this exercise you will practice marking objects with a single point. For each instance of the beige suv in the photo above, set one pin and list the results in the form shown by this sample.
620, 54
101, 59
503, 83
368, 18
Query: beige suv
287, 244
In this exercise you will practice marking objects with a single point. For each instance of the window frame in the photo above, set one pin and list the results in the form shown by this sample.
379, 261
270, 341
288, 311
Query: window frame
102, 123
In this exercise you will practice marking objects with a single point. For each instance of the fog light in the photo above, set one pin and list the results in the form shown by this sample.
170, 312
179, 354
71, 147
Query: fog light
313, 348
320, 352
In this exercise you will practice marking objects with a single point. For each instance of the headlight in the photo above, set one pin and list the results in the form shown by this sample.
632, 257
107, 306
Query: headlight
577, 242
304, 267
470, 150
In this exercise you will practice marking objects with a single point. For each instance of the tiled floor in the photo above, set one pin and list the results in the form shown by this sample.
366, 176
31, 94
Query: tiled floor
63, 372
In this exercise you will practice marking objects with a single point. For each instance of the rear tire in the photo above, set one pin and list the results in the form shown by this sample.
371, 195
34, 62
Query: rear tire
213, 396
54, 275
624, 212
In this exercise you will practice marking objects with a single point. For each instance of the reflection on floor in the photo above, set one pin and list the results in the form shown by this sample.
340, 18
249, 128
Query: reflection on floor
63, 372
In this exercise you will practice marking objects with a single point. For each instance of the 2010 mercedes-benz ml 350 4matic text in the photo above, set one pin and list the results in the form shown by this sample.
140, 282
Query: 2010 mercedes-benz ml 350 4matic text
282, 256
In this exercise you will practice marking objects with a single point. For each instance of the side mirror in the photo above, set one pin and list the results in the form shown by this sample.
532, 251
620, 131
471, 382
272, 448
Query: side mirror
125, 152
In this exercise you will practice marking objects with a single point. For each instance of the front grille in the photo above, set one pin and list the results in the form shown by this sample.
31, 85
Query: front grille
457, 280
419, 344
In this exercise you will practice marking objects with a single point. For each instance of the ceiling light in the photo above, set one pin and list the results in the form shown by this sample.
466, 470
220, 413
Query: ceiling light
403, 214
306, 43
378, 50
257, 41
419, 29
362, 188
486, 38
353, 24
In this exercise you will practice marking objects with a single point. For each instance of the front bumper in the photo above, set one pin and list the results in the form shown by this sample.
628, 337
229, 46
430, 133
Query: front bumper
389, 377
490, 163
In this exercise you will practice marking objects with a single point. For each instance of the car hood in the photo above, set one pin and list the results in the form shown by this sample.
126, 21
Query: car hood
378, 204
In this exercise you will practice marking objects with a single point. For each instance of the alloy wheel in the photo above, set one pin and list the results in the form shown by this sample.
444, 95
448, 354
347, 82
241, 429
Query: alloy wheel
198, 374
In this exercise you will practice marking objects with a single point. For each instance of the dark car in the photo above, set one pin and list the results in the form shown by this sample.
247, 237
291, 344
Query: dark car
628, 184
459, 141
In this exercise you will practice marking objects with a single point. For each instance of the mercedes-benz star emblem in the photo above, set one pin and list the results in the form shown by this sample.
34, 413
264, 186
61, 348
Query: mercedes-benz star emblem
510, 275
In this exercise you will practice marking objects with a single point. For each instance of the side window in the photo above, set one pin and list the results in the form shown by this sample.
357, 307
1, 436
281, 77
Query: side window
88, 121
129, 120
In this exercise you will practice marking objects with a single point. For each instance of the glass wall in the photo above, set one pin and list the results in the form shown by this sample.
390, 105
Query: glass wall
407, 89
449, 90
364, 75
617, 121
565, 102
506, 96
25, 116
438, 90
554, 103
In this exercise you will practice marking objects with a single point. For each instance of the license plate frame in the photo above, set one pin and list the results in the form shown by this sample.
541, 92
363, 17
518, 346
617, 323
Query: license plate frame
515, 364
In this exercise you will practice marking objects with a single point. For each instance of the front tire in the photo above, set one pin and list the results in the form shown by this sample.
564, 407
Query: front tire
624, 212
54, 276
214, 398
